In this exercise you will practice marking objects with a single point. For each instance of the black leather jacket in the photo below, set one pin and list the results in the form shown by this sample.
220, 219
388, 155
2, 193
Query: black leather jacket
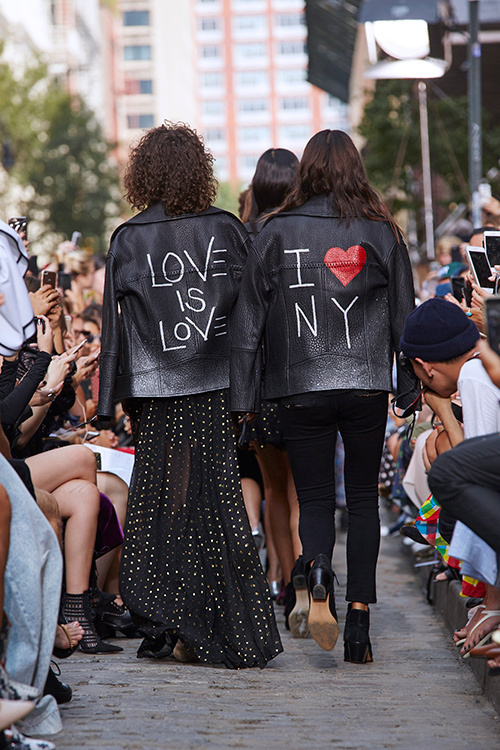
327, 300
171, 284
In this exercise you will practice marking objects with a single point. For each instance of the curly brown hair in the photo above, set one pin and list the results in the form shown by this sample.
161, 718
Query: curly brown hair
170, 165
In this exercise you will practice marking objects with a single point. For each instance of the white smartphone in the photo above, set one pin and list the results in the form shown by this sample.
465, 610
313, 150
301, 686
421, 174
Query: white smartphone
491, 243
480, 267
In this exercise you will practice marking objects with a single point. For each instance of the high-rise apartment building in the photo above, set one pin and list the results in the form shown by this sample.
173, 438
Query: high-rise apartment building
235, 69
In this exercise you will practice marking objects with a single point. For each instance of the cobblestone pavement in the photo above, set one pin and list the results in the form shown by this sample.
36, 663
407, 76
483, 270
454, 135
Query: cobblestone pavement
416, 694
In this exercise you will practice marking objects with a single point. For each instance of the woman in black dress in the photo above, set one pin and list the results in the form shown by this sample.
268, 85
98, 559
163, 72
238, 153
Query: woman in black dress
324, 296
190, 575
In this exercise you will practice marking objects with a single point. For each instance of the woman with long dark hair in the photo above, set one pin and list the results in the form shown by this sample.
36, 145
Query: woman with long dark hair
274, 177
191, 575
323, 300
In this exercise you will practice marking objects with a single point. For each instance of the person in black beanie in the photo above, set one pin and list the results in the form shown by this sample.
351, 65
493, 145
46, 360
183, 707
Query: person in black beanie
440, 331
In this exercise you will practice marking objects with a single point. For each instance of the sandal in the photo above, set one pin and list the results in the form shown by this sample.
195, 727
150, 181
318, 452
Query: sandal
63, 653
486, 616
472, 611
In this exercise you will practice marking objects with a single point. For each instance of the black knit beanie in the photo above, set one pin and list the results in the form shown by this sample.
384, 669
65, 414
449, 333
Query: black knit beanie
438, 330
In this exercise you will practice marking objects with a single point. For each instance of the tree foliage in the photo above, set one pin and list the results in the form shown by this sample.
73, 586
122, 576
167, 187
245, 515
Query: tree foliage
60, 156
392, 153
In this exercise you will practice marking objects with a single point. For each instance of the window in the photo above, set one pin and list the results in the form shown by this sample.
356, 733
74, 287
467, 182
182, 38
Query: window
291, 76
137, 52
212, 80
250, 50
252, 78
140, 121
210, 24
136, 18
214, 134
294, 132
290, 19
210, 51
291, 48
257, 134
253, 105
249, 23
213, 107
249, 162
133, 86
295, 102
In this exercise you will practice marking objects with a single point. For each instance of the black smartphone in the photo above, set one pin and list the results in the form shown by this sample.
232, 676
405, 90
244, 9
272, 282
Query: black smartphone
64, 280
20, 225
492, 315
457, 287
467, 295
491, 242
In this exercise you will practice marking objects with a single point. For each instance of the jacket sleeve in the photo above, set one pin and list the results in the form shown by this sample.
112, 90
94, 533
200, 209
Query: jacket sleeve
247, 327
16, 400
110, 341
401, 304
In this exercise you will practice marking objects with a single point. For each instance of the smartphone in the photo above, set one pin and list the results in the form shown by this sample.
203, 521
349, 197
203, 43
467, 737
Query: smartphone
20, 225
68, 319
48, 277
457, 287
76, 238
491, 243
480, 267
467, 295
492, 315
77, 347
64, 280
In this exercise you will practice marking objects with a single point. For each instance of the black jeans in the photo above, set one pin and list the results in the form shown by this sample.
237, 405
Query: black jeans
310, 432
466, 483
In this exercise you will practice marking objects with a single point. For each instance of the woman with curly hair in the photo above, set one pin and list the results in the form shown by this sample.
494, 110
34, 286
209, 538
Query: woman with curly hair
191, 575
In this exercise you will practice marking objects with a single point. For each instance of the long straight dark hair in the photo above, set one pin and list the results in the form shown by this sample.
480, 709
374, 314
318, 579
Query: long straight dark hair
331, 163
274, 176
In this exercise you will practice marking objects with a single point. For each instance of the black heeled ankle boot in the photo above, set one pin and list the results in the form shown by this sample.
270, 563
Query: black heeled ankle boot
112, 618
322, 620
78, 607
357, 646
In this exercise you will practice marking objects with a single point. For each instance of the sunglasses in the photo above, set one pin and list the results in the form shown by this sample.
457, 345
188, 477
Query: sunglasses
88, 335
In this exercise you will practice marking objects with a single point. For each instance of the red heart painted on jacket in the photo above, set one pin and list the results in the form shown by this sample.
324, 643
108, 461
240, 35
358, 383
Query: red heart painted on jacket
345, 264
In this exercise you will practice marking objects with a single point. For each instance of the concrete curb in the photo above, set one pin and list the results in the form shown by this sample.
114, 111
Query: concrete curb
445, 597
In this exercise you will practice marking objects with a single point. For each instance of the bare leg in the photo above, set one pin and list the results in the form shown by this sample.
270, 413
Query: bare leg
50, 509
5, 515
273, 563
78, 502
252, 498
275, 474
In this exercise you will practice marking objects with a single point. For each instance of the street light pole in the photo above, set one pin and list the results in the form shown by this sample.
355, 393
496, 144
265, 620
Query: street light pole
426, 169
474, 91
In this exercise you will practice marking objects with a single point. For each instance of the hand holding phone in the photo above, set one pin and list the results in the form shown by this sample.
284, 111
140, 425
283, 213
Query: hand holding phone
480, 267
48, 278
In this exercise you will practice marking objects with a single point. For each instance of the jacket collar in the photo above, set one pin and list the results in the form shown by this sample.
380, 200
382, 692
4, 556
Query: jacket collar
318, 205
157, 213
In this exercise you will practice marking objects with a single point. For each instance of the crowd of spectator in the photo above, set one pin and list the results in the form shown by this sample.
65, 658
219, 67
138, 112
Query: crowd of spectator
64, 477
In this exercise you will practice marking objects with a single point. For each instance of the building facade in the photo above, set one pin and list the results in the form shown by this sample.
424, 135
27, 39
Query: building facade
235, 69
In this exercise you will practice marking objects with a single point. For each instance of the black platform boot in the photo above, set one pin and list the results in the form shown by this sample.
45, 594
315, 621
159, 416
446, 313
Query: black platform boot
357, 646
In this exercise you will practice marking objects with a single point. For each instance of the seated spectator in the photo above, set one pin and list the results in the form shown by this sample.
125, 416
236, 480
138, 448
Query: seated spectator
442, 345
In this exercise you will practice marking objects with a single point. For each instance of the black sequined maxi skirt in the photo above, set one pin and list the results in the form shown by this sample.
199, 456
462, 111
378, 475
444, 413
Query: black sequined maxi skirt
189, 564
